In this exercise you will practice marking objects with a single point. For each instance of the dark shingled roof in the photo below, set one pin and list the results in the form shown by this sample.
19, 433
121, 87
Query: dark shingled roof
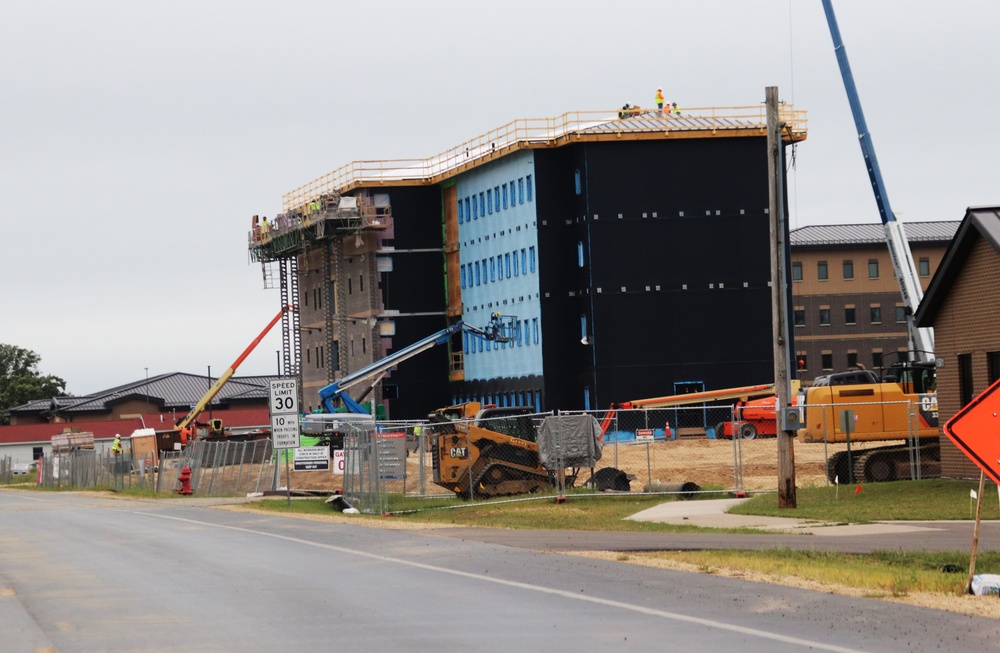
979, 222
176, 390
870, 234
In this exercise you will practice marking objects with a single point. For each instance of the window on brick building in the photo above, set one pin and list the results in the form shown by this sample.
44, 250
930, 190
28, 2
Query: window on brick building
993, 365
965, 378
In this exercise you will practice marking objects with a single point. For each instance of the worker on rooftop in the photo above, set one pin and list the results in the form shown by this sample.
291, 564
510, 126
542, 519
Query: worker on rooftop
659, 99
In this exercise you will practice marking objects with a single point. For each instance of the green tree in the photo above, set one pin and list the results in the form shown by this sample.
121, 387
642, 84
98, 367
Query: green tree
21, 382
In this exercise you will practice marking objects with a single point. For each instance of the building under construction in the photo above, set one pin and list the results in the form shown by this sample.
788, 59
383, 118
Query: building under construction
629, 252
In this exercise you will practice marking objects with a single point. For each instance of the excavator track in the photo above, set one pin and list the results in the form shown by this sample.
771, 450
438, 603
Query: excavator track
883, 464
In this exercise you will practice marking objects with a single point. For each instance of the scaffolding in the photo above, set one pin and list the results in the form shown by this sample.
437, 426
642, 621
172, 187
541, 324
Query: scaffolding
324, 224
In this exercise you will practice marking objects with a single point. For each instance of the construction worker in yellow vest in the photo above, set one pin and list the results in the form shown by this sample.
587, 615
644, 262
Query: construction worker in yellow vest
676, 110
116, 446
417, 432
659, 99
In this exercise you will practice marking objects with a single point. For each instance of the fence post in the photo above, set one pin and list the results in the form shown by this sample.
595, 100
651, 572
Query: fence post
468, 458
421, 456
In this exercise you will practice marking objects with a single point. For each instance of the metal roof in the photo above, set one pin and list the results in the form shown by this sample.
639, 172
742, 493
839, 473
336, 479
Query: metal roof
870, 234
979, 222
176, 390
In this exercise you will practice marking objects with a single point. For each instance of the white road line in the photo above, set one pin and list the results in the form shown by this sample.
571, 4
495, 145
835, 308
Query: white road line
710, 623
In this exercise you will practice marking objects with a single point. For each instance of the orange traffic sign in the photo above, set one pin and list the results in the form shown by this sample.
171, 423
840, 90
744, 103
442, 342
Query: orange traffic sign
976, 431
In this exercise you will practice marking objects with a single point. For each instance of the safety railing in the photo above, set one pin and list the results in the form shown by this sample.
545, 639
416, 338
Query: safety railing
537, 132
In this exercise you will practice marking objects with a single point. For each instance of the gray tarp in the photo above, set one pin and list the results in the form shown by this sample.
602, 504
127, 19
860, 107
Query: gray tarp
569, 441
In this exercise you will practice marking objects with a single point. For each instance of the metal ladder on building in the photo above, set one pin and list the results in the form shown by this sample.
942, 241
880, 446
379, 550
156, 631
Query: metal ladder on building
291, 341
331, 341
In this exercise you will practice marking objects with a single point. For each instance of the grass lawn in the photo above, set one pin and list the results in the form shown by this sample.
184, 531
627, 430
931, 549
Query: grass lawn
901, 500
583, 511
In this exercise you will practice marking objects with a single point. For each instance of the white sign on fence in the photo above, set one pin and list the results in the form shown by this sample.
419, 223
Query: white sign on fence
644, 435
338, 461
312, 459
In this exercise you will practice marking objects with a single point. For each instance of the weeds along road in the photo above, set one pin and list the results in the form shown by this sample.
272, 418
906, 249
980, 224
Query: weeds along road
83, 573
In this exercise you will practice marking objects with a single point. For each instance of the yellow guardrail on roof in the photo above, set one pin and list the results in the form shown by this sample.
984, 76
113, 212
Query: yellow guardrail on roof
525, 133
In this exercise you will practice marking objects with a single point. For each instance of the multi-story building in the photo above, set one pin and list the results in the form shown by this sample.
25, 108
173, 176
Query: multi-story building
630, 255
848, 310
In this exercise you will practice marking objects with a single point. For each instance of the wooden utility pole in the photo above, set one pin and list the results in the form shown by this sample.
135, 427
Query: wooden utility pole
779, 303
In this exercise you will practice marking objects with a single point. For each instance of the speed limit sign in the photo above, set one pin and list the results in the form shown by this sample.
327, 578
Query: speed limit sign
284, 406
284, 398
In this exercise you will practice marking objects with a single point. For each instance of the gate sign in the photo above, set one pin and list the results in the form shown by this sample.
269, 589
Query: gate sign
976, 431
284, 405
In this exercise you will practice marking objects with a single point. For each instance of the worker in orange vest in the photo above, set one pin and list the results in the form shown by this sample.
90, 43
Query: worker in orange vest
659, 99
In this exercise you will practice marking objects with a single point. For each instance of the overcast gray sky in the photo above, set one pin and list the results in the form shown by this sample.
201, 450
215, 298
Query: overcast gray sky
139, 137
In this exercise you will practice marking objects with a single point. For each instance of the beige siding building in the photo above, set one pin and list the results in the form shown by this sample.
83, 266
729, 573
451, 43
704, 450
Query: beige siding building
963, 306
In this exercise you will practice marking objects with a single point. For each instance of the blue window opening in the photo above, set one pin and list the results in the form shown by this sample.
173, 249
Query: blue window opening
534, 328
506, 264
520, 190
586, 398
519, 334
465, 342
505, 196
513, 194
482, 203
477, 273
475, 208
496, 198
577, 182
480, 344
524, 260
538, 401
486, 279
527, 333
583, 326
579, 254
468, 212
493, 269
515, 264
531, 258
463, 276
527, 183
461, 214
489, 201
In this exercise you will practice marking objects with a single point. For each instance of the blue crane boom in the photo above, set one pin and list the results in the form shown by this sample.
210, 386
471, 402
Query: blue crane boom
338, 389
899, 248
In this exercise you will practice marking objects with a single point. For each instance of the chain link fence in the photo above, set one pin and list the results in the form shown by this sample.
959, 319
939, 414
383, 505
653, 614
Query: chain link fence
682, 450
87, 469
873, 442
223, 468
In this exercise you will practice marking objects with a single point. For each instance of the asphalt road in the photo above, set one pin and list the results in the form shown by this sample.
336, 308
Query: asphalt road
81, 574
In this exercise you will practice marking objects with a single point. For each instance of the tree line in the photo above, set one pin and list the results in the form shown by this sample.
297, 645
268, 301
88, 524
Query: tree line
21, 382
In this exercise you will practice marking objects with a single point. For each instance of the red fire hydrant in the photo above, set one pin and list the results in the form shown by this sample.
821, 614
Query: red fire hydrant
185, 480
